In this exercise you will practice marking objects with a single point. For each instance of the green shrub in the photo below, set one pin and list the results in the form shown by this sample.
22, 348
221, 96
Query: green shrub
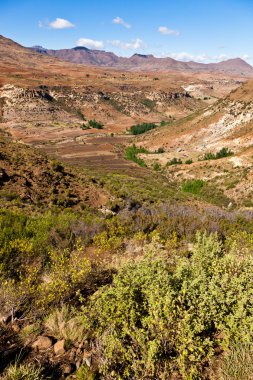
131, 154
162, 315
85, 373
95, 124
149, 103
80, 114
160, 150
209, 156
224, 152
141, 128
188, 162
193, 186
156, 166
163, 123
174, 161
67, 272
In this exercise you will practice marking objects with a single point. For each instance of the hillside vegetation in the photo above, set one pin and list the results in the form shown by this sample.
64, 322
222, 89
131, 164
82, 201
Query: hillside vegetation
126, 222
147, 284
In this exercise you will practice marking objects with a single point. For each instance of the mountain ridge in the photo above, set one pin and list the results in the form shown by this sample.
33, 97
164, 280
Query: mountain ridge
102, 58
137, 62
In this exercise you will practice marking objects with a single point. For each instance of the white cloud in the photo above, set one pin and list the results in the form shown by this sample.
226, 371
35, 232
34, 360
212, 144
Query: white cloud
133, 45
221, 57
184, 56
60, 23
167, 31
118, 20
246, 57
204, 58
87, 42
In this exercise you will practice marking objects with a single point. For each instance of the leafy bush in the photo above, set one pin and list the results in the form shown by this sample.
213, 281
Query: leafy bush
85, 373
24, 238
67, 272
156, 166
188, 162
209, 156
224, 152
95, 124
174, 161
162, 315
142, 128
160, 150
131, 154
193, 186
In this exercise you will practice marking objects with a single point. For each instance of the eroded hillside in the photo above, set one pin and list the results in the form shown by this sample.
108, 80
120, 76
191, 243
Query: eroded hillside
30, 179
195, 140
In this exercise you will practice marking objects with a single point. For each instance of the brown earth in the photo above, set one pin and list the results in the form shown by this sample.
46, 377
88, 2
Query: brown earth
44, 101
226, 124
30, 178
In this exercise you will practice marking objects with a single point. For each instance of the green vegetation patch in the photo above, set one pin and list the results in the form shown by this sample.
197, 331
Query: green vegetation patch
149, 103
224, 152
142, 128
92, 124
174, 161
205, 191
131, 154
163, 315
193, 186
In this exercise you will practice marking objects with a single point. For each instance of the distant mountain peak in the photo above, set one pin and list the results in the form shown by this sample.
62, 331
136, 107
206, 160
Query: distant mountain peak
80, 48
142, 62
38, 47
142, 55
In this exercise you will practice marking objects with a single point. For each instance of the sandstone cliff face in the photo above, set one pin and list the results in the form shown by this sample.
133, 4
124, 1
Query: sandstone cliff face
21, 104
68, 104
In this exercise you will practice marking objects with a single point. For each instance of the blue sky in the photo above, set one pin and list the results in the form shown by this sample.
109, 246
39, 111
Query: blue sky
201, 30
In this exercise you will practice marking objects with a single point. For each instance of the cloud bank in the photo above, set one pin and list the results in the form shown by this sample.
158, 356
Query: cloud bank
88, 42
135, 44
58, 23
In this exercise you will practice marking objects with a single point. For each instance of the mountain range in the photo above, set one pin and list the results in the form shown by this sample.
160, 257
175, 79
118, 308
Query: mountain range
142, 62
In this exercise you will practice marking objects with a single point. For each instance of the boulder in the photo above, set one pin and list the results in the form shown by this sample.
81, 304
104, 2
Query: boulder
42, 343
59, 347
